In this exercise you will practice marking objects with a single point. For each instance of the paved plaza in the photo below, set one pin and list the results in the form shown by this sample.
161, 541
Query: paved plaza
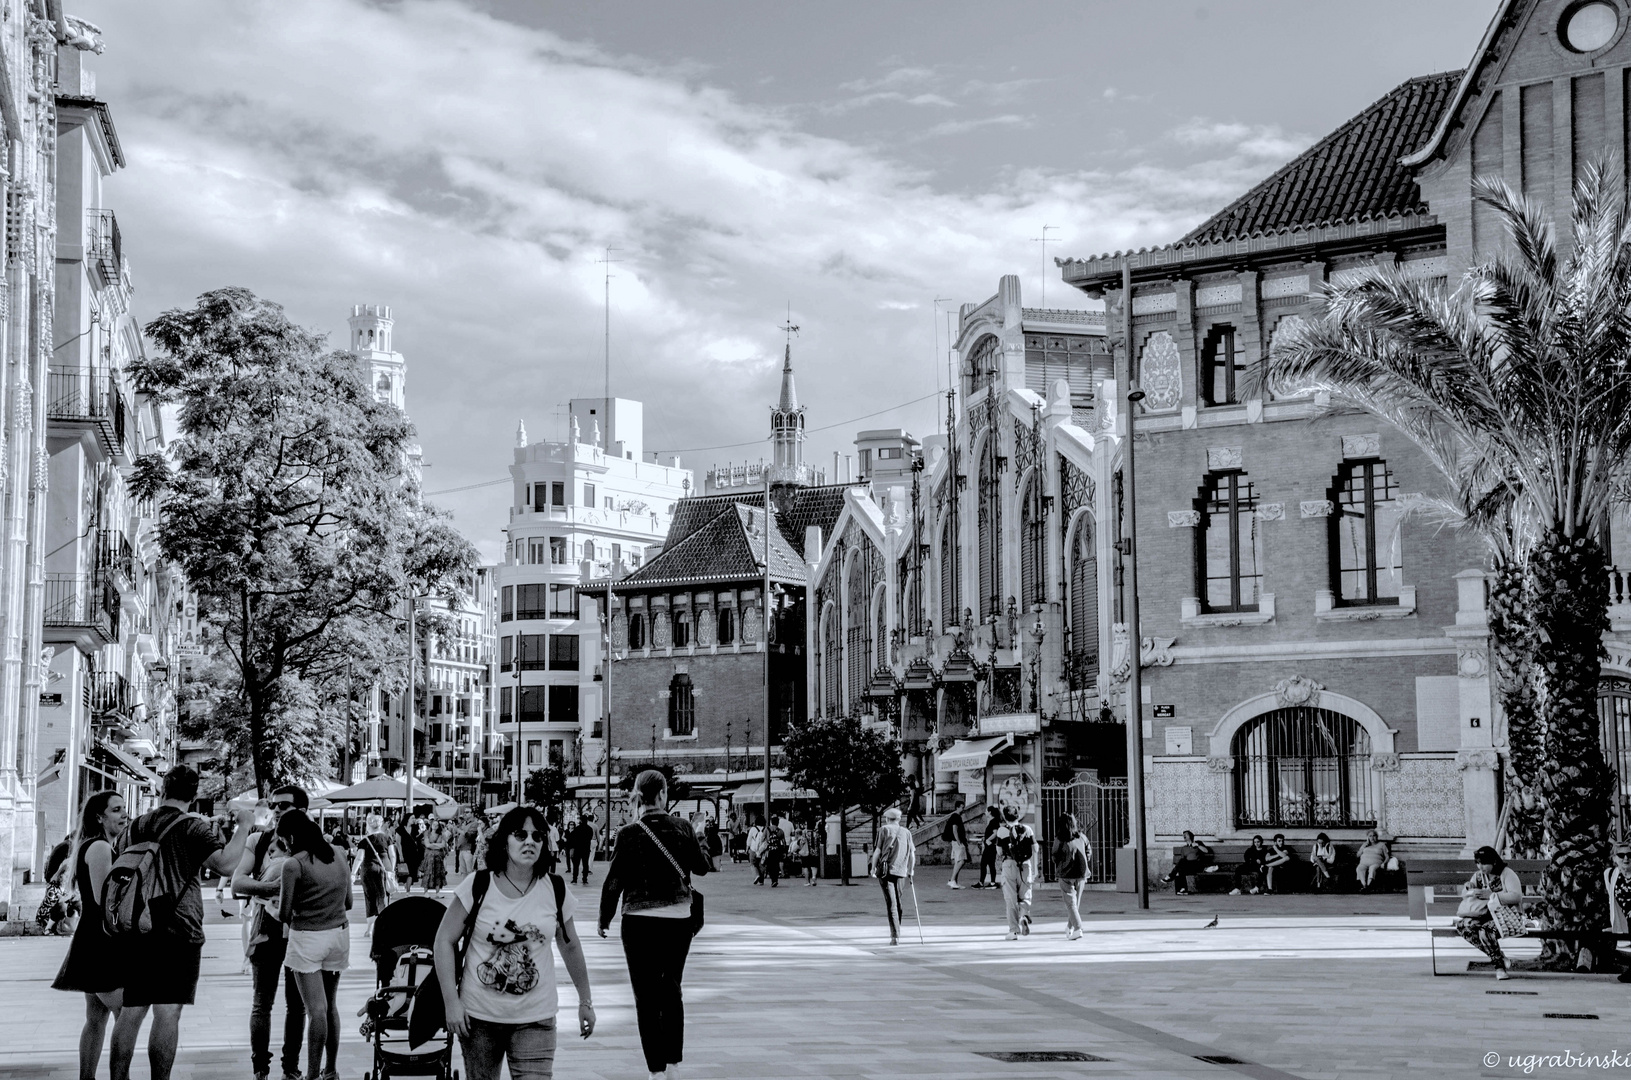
800, 982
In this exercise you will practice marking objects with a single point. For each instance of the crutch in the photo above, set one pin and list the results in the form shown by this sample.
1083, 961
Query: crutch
917, 911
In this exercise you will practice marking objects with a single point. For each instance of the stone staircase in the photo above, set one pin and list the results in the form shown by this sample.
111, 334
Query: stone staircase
933, 851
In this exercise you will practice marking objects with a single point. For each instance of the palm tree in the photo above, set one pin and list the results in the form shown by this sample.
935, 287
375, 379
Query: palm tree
1520, 374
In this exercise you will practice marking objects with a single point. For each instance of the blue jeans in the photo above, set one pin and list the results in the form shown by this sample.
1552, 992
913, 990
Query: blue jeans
267, 964
529, 1047
891, 903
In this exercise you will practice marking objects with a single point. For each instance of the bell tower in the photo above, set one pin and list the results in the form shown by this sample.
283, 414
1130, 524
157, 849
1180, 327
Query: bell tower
371, 339
787, 430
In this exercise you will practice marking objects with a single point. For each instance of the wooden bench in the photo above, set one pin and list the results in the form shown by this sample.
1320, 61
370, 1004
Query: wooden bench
1228, 857
1427, 876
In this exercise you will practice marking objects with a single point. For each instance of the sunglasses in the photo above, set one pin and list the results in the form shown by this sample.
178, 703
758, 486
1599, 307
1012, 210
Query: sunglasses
283, 804
1622, 854
528, 834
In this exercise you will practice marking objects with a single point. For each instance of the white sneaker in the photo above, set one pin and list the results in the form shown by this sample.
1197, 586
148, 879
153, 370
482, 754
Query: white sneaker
1011, 937
1234, 892
953, 885
1501, 974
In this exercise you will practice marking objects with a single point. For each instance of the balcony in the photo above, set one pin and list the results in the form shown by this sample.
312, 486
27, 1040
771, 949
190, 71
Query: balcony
104, 250
115, 558
110, 694
1619, 597
82, 609
81, 398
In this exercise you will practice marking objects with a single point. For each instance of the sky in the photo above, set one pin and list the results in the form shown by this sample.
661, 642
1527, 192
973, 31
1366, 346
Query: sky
866, 167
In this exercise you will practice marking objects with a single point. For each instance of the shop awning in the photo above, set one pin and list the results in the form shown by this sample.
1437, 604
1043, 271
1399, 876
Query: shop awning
966, 754
132, 765
754, 791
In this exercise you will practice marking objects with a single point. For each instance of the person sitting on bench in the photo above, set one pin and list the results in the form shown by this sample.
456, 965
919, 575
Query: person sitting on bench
1322, 860
1494, 881
1373, 855
1617, 880
1279, 858
1249, 878
1188, 859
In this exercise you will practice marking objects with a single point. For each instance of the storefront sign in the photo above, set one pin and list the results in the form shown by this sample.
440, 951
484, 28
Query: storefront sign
1012, 723
971, 782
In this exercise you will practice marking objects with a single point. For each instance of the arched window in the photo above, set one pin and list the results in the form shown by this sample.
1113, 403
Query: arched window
1365, 542
589, 551
1032, 546
1614, 716
1223, 366
989, 513
832, 656
637, 631
727, 626
949, 615
682, 628
1302, 768
1229, 563
983, 365
880, 635
682, 712
1084, 607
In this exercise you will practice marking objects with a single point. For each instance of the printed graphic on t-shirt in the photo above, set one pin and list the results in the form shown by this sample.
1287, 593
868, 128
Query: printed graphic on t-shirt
511, 969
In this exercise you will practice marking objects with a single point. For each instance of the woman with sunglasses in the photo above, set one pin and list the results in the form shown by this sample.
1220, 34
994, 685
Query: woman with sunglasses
1617, 878
503, 1004
92, 965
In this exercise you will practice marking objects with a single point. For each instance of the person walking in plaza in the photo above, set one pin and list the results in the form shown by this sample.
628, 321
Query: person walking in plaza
93, 966
955, 832
988, 852
469, 836
801, 855
258, 881
161, 964
504, 1002
893, 861
757, 836
712, 842
378, 870
1015, 845
1071, 855
438, 841
914, 802
651, 873
775, 851
585, 843
1494, 883
314, 897
411, 840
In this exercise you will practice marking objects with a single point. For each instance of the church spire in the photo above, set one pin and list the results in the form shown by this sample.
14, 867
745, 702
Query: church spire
787, 425
789, 399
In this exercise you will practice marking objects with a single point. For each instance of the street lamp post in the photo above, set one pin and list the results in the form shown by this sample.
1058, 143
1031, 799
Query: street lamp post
1135, 681
764, 635
606, 715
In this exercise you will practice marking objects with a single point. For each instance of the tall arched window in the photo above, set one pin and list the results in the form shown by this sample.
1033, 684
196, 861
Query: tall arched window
589, 551
983, 365
949, 614
682, 628
832, 658
1229, 563
1302, 768
727, 626
1365, 537
989, 514
1614, 716
637, 631
1084, 607
880, 634
682, 712
1032, 546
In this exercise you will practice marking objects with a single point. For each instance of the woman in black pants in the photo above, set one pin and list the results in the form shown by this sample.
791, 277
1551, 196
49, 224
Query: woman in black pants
651, 871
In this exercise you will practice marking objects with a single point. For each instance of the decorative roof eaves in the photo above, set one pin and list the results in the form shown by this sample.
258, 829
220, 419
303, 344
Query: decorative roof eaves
104, 120
1076, 445
858, 507
599, 586
1486, 53
1082, 272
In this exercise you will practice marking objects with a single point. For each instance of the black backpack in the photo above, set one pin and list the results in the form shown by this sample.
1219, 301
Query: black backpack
948, 831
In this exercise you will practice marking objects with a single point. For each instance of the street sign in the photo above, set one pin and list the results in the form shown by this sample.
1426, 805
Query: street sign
1165, 712
51, 701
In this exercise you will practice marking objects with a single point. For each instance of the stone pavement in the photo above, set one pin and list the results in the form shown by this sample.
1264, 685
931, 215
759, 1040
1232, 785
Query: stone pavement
800, 982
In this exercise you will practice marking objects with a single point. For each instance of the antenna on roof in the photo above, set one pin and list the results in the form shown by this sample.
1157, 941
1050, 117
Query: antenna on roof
1045, 240
608, 261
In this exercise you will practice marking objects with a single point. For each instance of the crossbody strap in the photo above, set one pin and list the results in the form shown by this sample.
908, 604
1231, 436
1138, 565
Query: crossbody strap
666, 854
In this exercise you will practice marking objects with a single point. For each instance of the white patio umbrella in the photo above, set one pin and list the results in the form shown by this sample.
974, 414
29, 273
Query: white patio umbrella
386, 789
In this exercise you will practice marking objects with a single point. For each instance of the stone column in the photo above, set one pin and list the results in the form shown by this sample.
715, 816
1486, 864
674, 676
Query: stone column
1478, 760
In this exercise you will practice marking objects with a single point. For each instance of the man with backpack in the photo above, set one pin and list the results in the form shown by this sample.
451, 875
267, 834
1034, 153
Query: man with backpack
155, 911
1016, 862
775, 852
955, 833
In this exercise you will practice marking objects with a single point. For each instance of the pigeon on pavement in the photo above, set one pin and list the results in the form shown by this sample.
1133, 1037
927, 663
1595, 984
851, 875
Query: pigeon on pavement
1211, 924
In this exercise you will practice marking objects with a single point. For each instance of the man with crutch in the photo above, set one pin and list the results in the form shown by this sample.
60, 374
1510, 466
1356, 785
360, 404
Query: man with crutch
894, 859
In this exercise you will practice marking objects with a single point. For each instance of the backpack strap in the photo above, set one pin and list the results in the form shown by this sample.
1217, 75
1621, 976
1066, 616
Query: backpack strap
478, 893
558, 883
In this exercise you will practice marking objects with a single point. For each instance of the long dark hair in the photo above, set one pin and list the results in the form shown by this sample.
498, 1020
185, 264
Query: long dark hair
497, 856
1066, 827
300, 833
1487, 854
90, 821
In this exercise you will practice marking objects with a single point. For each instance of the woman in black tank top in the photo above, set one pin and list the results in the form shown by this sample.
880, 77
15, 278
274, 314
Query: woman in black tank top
92, 966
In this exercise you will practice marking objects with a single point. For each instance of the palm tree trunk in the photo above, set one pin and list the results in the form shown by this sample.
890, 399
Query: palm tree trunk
1513, 645
1569, 579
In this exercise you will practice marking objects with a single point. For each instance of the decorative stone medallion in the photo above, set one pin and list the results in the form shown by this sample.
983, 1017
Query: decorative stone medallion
1161, 373
1316, 508
1471, 664
1297, 690
1362, 446
1221, 764
1183, 519
1482, 757
1224, 457
1271, 512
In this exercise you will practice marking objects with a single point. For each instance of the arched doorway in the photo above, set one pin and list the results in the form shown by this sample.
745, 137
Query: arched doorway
1302, 767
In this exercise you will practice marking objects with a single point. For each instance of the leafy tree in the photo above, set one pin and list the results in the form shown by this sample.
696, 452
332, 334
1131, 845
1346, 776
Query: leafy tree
546, 787
1521, 369
846, 764
288, 503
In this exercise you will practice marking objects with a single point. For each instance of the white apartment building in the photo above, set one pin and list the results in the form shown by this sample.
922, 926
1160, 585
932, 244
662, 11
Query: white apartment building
593, 506
458, 665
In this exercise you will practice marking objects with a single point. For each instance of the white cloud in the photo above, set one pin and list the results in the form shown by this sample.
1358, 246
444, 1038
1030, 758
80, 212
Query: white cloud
469, 172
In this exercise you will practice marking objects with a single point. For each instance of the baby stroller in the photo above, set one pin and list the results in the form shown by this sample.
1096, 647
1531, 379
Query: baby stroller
404, 934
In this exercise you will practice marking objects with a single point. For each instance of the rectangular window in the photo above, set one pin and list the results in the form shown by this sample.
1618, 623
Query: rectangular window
507, 604
1223, 366
532, 704
532, 652
727, 626
535, 752
557, 753
529, 602
866, 463
888, 453
535, 550
539, 491
563, 704
506, 704
682, 715
557, 551
682, 628
1369, 563
608, 502
617, 552
589, 495
1231, 555
557, 493
563, 652
385, 737
563, 602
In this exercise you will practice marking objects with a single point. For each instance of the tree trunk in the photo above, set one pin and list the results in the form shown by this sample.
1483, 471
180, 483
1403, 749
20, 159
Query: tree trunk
1513, 646
1569, 578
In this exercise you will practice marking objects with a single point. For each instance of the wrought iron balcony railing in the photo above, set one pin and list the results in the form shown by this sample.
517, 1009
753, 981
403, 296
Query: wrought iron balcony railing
103, 248
82, 601
82, 396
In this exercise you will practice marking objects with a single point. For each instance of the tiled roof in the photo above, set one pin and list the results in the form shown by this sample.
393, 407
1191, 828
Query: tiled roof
1353, 174
812, 506
726, 547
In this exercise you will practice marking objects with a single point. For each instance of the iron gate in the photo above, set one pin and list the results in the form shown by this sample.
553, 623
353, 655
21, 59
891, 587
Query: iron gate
1100, 808
1614, 715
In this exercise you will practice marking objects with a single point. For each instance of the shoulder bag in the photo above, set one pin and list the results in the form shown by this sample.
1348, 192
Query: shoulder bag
429, 1010
694, 923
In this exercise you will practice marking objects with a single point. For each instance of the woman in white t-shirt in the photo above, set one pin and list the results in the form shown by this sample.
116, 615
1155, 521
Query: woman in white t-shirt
504, 1004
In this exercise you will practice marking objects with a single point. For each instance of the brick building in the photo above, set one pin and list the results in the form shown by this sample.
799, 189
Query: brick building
1316, 657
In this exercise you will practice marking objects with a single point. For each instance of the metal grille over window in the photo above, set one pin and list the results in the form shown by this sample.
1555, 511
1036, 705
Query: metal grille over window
1367, 542
1033, 541
682, 710
1614, 715
1223, 366
1302, 767
948, 574
989, 523
1231, 563
983, 365
1083, 660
